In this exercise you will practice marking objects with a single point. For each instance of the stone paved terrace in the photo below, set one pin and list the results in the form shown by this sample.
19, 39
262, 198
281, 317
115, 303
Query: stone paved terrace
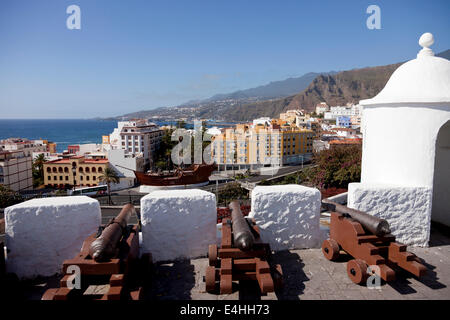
308, 275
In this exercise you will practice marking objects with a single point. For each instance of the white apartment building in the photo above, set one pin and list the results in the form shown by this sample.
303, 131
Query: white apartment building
349, 111
124, 164
321, 108
24, 145
15, 170
139, 138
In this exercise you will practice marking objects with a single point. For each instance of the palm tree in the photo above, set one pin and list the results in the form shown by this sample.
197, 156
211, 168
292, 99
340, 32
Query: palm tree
38, 170
109, 176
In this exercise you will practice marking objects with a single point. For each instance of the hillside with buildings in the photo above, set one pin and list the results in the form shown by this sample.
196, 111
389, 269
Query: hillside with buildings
333, 88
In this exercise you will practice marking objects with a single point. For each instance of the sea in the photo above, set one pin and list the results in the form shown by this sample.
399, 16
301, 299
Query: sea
63, 132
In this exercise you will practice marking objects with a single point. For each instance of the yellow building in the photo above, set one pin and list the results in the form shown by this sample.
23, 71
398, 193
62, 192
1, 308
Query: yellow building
291, 115
59, 173
105, 140
261, 144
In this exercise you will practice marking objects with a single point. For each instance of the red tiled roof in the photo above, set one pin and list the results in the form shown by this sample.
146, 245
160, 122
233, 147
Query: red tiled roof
347, 141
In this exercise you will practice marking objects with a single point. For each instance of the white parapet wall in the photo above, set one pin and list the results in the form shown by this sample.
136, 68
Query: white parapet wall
407, 209
178, 224
41, 233
288, 216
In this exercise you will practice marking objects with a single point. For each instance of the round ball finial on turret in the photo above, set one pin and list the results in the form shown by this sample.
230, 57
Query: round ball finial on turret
425, 41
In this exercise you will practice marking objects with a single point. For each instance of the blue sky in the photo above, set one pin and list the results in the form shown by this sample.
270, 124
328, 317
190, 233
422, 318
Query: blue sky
136, 55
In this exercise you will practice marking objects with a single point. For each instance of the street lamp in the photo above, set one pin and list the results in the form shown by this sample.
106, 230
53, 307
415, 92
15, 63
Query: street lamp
74, 172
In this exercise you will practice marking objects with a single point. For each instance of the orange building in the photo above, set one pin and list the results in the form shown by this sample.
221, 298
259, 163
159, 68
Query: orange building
60, 173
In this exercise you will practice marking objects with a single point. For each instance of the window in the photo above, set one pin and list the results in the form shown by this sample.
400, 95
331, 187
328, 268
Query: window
94, 178
87, 178
81, 169
54, 169
87, 170
55, 178
66, 169
100, 169
48, 169
60, 178
81, 178
67, 178
93, 169
49, 178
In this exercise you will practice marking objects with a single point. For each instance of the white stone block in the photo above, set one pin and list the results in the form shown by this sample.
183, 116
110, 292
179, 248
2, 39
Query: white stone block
407, 209
41, 233
178, 223
288, 216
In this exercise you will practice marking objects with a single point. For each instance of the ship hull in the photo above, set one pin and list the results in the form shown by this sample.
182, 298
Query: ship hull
194, 175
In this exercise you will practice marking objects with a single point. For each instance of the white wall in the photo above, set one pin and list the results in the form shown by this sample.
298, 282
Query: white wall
125, 165
399, 143
441, 183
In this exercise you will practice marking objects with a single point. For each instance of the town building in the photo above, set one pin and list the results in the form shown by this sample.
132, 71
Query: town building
321, 108
24, 145
291, 115
344, 143
264, 142
16, 170
138, 137
125, 164
343, 121
76, 170
355, 121
345, 132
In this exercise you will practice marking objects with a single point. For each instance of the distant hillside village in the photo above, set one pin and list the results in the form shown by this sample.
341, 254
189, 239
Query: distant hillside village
135, 145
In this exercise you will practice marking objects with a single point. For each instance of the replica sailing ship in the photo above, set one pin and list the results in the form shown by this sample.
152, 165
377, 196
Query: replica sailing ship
193, 176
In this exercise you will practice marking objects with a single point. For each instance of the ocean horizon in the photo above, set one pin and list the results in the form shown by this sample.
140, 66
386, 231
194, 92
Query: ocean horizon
63, 132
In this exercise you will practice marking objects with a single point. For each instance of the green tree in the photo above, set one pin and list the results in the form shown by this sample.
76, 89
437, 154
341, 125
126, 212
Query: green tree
181, 124
163, 154
109, 176
232, 191
336, 167
38, 170
8, 197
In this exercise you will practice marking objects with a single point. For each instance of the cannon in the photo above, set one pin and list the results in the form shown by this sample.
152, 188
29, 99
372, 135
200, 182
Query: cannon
242, 256
109, 264
242, 235
105, 246
371, 223
370, 243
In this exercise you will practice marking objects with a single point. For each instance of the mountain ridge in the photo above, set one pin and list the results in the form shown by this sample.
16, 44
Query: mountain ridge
334, 88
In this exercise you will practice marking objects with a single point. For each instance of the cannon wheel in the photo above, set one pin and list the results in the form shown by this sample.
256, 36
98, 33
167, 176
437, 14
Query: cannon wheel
210, 279
357, 271
212, 255
330, 249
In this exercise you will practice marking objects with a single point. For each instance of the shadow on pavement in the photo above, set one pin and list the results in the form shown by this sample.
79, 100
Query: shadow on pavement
171, 281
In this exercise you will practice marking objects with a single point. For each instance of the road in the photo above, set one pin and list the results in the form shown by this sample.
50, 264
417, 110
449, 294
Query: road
133, 193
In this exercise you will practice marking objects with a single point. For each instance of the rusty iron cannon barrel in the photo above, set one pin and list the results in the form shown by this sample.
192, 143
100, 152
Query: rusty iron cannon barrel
105, 246
242, 235
375, 225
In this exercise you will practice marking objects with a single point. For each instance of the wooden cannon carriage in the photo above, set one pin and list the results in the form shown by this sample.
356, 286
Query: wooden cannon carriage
369, 241
242, 256
109, 264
